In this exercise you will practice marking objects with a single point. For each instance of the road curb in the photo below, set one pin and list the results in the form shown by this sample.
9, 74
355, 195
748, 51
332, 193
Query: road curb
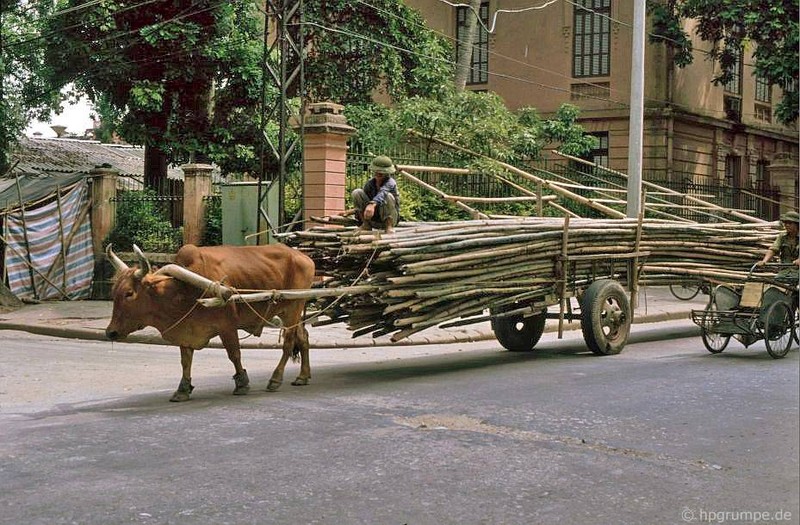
433, 339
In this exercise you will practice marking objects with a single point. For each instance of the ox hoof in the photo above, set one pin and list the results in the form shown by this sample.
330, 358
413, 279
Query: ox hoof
242, 383
273, 385
179, 396
183, 392
300, 381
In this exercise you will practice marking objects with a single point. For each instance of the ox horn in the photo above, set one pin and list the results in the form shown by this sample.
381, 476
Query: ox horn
118, 264
144, 264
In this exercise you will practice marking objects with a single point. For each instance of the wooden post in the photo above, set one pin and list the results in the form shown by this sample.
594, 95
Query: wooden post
104, 189
562, 282
25, 236
196, 187
325, 134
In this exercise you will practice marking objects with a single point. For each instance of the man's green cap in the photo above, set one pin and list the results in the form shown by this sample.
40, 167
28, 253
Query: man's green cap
382, 164
791, 216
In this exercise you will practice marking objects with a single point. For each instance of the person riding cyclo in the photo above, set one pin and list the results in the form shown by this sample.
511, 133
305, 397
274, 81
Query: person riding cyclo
786, 248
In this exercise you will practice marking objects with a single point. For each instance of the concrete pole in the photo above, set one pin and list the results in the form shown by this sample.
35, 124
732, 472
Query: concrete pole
104, 189
637, 112
196, 187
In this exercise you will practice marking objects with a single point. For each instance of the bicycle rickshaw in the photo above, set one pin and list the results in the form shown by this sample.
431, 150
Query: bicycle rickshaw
763, 308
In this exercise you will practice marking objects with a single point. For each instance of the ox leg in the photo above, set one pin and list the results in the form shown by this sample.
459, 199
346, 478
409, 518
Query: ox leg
301, 346
295, 341
185, 386
276, 380
240, 379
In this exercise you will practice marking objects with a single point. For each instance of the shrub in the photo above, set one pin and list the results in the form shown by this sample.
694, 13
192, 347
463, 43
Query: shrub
142, 221
213, 230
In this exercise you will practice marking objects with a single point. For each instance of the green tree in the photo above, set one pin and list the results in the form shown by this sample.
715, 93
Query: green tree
769, 27
184, 77
482, 123
479, 122
24, 95
355, 49
155, 69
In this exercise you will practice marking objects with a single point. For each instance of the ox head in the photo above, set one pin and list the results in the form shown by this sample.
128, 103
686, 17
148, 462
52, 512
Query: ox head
133, 302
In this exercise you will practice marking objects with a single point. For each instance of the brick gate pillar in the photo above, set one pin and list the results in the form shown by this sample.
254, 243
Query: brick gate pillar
196, 187
104, 189
324, 160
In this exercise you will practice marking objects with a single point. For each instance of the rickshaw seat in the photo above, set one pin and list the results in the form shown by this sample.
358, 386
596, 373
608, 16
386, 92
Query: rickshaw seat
751, 295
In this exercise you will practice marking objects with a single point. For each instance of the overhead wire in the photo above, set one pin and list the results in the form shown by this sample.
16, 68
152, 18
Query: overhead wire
145, 60
556, 73
382, 43
44, 36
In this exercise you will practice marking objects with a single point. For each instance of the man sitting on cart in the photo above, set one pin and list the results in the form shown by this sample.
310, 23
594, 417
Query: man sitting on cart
786, 247
378, 203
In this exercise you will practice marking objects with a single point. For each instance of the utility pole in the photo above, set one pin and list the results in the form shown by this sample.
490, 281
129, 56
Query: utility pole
636, 112
287, 75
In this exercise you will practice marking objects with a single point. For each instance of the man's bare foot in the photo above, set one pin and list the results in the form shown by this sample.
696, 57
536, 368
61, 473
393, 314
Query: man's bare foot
389, 227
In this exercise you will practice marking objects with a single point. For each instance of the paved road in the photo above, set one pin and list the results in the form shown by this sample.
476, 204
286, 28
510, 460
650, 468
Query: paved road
465, 434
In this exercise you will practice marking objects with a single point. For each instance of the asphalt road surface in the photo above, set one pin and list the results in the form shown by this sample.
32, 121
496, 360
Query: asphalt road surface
464, 434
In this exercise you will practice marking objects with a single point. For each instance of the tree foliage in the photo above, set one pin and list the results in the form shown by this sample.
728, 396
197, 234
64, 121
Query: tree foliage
157, 69
477, 121
768, 27
24, 95
185, 76
355, 49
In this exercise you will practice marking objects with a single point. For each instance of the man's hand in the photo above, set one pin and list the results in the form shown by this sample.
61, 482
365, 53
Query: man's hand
760, 263
369, 211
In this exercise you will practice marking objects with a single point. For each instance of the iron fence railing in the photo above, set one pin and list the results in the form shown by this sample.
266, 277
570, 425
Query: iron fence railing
166, 198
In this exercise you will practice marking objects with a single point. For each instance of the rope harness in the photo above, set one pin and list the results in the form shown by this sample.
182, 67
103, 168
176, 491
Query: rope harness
216, 290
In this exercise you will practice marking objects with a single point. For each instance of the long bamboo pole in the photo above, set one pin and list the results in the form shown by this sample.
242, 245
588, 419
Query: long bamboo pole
25, 237
545, 183
716, 207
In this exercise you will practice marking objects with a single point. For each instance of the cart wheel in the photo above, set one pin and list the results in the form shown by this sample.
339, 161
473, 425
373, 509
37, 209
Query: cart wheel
778, 329
684, 292
605, 317
714, 342
518, 333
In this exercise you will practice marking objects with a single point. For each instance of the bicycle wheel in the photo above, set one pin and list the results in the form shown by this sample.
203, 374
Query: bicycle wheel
779, 329
714, 342
685, 291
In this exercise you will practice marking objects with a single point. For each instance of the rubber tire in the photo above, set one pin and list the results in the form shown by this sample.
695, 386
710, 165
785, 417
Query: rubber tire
687, 293
601, 298
714, 343
779, 320
518, 333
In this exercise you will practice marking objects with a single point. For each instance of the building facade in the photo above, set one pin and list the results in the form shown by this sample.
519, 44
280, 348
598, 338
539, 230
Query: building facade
544, 54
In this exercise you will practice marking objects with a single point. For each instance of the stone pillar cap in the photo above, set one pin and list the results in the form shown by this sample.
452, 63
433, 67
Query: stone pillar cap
319, 108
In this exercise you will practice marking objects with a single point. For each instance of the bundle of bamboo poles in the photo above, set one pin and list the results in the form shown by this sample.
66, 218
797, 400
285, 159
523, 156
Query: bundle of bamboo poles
426, 274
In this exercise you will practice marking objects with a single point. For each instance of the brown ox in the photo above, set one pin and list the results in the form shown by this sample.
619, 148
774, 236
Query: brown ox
145, 298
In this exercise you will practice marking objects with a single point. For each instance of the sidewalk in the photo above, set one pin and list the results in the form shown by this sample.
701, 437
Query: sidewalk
88, 320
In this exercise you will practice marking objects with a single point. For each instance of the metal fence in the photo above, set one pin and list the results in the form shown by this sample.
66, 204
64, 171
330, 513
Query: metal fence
592, 182
166, 199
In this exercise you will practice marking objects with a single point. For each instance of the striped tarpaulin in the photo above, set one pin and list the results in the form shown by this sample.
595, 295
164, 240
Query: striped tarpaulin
45, 260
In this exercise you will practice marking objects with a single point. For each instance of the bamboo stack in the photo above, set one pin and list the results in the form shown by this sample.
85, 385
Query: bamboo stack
427, 274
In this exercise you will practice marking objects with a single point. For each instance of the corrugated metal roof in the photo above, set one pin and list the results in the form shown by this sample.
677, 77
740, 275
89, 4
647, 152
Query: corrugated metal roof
55, 155
45, 164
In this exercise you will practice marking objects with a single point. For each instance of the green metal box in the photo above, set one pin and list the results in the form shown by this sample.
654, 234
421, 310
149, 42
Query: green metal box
240, 213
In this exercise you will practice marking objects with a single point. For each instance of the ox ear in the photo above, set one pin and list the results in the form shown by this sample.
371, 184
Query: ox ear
144, 264
115, 261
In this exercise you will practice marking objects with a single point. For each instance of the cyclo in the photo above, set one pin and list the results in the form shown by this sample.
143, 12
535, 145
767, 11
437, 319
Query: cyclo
763, 308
